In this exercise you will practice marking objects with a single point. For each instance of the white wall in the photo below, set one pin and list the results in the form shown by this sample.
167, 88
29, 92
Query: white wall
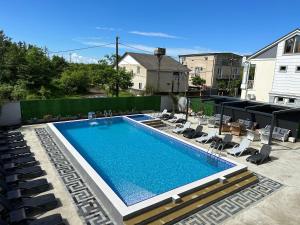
286, 82
264, 74
130, 64
10, 114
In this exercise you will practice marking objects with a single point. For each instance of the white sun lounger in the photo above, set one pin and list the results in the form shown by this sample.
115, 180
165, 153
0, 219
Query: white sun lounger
177, 118
179, 130
164, 112
238, 149
206, 137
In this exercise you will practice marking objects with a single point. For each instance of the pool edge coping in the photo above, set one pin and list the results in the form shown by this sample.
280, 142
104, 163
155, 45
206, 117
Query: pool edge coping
115, 200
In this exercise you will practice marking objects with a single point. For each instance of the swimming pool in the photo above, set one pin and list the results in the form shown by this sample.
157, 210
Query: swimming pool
137, 163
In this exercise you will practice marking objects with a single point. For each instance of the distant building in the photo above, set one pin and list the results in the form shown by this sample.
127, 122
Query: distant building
272, 74
213, 66
173, 75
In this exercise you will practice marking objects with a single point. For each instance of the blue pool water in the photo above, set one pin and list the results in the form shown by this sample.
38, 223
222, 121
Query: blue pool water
141, 117
137, 162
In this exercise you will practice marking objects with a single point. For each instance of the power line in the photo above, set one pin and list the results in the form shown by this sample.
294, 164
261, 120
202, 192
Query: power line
140, 49
79, 49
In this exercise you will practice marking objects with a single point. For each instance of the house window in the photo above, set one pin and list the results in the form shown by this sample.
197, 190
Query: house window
292, 45
140, 85
282, 68
297, 69
291, 100
138, 70
280, 99
219, 71
252, 72
297, 44
206, 58
198, 69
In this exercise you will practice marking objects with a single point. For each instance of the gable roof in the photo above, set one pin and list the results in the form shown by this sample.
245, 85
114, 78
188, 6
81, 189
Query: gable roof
150, 62
292, 33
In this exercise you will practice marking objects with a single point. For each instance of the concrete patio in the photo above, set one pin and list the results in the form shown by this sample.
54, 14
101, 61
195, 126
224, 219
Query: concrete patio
281, 207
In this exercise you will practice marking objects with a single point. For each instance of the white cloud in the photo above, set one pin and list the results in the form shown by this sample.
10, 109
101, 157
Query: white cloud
76, 58
108, 28
154, 34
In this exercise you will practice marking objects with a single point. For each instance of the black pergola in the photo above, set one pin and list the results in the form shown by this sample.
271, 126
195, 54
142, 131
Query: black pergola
274, 112
266, 113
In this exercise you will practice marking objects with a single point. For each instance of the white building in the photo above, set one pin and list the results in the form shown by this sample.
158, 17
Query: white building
173, 76
272, 74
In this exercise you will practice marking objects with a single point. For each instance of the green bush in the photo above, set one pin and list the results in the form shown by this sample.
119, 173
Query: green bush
19, 91
75, 81
5, 91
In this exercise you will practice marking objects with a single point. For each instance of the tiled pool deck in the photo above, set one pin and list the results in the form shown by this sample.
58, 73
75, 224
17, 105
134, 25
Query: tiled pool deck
253, 205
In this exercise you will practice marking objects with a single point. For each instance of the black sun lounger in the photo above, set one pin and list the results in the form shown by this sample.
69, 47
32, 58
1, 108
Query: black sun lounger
261, 156
29, 206
4, 134
18, 162
168, 116
11, 142
15, 155
19, 217
223, 143
9, 139
16, 151
13, 146
40, 203
22, 189
194, 133
22, 173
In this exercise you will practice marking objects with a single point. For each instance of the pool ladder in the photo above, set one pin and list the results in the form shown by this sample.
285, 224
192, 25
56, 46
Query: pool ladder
108, 114
213, 151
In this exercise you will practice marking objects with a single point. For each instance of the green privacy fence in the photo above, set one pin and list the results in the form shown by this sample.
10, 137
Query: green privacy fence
206, 106
66, 107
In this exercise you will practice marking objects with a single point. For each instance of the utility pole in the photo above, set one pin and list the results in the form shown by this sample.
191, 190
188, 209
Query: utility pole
231, 62
117, 66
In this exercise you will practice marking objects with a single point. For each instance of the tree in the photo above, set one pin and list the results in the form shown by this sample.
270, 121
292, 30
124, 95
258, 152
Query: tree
109, 60
74, 81
5, 91
58, 65
198, 81
123, 78
39, 68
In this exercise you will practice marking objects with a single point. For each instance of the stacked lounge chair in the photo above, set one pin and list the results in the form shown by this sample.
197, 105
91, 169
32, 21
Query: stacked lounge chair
180, 130
207, 137
222, 143
262, 156
239, 149
194, 133
20, 182
178, 118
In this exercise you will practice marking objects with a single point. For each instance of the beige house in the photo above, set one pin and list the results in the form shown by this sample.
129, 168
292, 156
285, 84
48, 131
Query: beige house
272, 73
173, 76
213, 66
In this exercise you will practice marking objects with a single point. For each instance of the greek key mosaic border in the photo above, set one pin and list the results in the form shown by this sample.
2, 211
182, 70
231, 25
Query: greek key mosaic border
89, 207
93, 213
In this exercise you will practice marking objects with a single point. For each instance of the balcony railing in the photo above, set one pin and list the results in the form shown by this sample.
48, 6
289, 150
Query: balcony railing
250, 84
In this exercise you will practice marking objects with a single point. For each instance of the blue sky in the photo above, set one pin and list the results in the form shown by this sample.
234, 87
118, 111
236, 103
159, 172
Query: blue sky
189, 26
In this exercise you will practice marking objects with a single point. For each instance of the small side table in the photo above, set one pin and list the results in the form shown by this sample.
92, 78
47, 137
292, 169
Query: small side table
225, 128
236, 129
